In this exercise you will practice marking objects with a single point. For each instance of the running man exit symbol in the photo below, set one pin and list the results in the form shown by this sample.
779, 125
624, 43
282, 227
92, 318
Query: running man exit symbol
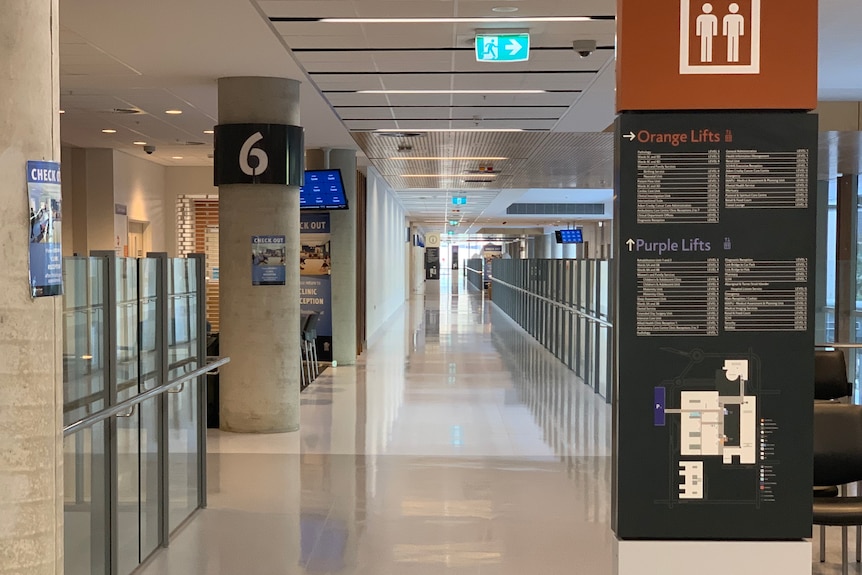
502, 47
720, 37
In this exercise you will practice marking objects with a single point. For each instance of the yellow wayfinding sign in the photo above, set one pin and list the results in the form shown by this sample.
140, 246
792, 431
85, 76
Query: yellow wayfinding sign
502, 47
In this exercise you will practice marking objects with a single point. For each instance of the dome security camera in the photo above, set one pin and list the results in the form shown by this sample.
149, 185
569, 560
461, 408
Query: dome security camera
149, 150
584, 47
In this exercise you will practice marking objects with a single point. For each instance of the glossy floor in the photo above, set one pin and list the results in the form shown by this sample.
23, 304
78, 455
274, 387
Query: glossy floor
455, 445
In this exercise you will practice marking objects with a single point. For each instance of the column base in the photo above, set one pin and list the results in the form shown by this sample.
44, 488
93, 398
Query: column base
712, 557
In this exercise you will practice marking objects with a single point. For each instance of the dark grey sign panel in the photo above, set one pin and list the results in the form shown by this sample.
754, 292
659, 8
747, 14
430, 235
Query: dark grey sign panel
715, 242
432, 263
258, 154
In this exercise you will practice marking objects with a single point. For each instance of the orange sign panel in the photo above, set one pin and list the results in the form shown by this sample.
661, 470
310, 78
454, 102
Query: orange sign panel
716, 54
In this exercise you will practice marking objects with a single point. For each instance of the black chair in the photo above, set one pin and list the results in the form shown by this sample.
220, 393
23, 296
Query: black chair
838, 461
309, 346
830, 384
830, 375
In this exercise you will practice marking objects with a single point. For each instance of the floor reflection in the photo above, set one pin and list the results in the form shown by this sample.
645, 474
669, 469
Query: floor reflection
455, 445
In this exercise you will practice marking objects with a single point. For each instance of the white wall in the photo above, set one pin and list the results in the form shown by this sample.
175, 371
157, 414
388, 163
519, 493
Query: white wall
387, 254
191, 181
140, 185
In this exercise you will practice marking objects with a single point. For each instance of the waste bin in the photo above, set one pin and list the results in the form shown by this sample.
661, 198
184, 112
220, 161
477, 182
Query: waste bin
212, 384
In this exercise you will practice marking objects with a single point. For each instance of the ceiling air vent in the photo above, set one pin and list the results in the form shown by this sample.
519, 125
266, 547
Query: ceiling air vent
190, 143
479, 181
556, 209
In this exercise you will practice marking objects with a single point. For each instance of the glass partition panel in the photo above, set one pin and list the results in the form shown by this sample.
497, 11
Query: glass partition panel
127, 328
84, 502
127, 491
84, 377
183, 415
149, 344
605, 291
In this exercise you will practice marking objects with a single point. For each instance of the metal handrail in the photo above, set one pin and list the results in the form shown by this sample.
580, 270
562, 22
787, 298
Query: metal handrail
125, 407
565, 307
122, 386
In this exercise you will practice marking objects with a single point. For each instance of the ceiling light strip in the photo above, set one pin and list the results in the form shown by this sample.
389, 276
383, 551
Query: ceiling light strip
451, 92
450, 176
444, 20
460, 158
452, 72
423, 130
430, 49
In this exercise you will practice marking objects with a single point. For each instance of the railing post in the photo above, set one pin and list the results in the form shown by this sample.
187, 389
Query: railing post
201, 300
163, 442
109, 516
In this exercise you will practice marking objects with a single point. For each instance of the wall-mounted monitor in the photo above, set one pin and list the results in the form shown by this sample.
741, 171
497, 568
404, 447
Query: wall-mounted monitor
575, 236
322, 190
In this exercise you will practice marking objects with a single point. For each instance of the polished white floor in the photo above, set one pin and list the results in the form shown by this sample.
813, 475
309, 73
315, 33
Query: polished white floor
455, 445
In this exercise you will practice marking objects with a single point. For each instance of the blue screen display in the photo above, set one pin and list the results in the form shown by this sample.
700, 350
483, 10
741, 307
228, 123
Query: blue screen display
323, 190
575, 236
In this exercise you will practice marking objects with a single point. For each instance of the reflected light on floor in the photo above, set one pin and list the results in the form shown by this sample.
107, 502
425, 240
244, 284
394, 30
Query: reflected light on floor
450, 555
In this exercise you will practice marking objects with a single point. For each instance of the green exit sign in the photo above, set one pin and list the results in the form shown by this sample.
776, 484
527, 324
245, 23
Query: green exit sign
453, 222
502, 47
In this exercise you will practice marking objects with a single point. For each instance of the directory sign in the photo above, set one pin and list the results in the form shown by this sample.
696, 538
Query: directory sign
322, 190
575, 236
502, 47
714, 327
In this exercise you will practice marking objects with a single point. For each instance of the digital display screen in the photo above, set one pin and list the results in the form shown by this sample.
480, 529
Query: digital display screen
575, 236
322, 190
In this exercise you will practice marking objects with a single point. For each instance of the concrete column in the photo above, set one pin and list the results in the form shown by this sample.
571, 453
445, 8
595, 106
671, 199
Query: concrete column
31, 342
548, 242
259, 389
342, 252
570, 251
556, 249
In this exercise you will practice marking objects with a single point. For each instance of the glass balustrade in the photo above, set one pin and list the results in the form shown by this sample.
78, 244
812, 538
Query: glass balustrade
566, 306
134, 476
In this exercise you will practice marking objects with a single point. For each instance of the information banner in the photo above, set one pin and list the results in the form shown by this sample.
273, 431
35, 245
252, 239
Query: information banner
267, 260
455, 262
315, 279
46, 250
714, 327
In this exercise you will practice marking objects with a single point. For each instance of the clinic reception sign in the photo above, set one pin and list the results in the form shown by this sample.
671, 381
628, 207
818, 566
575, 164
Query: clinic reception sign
46, 250
716, 55
267, 261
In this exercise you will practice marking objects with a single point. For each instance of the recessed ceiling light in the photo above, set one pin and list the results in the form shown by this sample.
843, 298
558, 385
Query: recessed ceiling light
451, 91
209, 131
480, 20
505, 9
109, 131
174, 112
139, 143
466, 158
176, 157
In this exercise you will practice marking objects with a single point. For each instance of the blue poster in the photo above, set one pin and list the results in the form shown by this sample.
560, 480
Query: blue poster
315, 294
46, 250
267, 261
